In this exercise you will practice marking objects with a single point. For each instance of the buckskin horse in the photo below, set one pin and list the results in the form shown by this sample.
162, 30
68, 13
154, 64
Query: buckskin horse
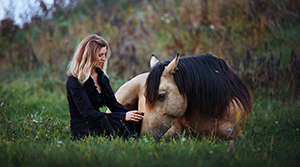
199, 94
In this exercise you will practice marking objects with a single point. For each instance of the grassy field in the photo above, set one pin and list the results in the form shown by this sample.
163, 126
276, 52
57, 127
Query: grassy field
259, 39
35, 131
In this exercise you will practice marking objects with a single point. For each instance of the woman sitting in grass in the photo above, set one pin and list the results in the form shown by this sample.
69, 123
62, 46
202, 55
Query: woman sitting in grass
88, 89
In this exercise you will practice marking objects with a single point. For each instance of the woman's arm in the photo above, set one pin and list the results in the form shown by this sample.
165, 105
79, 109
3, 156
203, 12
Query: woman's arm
112, 102
83, 104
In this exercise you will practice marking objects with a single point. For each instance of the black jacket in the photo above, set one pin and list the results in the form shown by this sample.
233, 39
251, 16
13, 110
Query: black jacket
84, 103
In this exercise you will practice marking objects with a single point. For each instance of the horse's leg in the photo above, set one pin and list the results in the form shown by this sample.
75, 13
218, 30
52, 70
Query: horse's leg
175, 129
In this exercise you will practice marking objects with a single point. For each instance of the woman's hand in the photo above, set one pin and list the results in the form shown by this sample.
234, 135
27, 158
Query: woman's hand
133, 116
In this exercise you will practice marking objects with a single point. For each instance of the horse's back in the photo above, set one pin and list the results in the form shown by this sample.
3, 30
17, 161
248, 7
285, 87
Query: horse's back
130, 93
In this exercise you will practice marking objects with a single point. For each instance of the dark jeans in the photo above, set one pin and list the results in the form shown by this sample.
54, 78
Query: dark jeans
127, 130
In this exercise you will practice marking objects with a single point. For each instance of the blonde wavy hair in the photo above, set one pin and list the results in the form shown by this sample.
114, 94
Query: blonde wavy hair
85, 57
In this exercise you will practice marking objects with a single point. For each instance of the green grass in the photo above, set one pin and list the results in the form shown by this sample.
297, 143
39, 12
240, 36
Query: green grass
34, 118
33, 136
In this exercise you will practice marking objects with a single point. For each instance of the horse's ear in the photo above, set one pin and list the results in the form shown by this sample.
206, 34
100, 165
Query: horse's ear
172, 67
154, 60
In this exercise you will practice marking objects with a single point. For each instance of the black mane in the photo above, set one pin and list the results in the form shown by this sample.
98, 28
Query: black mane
207, 82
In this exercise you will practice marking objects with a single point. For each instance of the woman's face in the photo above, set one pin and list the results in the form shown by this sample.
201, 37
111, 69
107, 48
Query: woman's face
101, 57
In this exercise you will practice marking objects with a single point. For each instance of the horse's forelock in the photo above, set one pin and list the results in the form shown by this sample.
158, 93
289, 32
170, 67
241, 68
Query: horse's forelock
153, 81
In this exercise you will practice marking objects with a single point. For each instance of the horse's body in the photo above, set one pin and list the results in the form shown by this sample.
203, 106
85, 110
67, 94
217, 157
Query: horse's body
200, 94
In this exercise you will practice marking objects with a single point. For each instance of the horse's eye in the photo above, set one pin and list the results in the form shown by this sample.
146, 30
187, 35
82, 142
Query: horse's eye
162, 96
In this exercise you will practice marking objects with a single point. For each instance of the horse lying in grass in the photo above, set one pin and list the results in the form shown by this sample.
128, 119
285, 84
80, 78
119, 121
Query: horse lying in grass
199, 94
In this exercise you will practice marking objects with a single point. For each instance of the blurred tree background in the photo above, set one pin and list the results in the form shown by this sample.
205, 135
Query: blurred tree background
258, 38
